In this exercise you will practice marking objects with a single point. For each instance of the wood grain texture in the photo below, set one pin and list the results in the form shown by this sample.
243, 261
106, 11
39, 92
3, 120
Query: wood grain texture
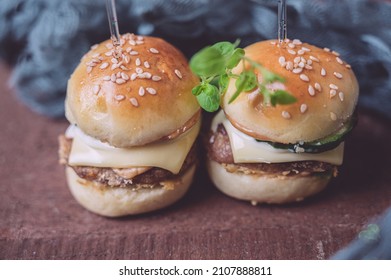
39, 219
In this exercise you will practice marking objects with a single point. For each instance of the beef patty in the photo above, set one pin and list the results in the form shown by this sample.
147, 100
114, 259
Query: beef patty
116, 177
219, 149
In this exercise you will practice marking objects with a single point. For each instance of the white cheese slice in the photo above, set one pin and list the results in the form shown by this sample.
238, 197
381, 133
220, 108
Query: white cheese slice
246, 149
169, 155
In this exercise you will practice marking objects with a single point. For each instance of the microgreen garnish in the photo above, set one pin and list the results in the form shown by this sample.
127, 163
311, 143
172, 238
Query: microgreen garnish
214, 64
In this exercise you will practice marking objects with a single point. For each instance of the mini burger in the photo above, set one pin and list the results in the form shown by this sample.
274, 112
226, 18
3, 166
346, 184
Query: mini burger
130, 146
284, 153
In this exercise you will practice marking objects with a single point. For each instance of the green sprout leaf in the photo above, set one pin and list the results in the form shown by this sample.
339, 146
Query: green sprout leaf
283, 97
223, 83
235, 58
209, 98
214, 66
208, 62
247, 81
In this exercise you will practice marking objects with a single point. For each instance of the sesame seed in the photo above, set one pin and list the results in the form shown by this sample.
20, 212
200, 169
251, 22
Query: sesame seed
118, 74
332, 86
113, 78
126, 58
114, 66
314, 58
304, 78
341, 95
89, 69
95, 60
151, 90
303, 59
128, 49
104, 65
109, 53
138, 42
297, 70
114, 60
333, 116
291, 45
146, 64
140, 38
153, 50
138, 62
133, 53
339, 60
95, 55
327, 49
305, 49
348, 66
291, 51
273, 42
323, 72
318, 87
120, 81
147, 75
90, 63
141, 91
311, 90
96, 89
296, 42
335, 53
281, 60
106, 78
94, 47
109, 45
297, 59
134, 102
285, 115
124, 76
333, 92
309, 67
338, 75
309, 62
121, 41
132, 42
289, 65
156, 78
287, 40
119, 97
300, 52
303, 108
133, 76
139, 70
178, 73
124, 68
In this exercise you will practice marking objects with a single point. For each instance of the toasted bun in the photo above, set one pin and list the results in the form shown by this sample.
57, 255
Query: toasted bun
265, 189
130, 109
115, 202
318, 112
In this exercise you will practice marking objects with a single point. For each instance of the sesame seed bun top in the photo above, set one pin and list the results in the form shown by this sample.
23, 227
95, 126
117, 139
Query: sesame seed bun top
324, 85
141, 96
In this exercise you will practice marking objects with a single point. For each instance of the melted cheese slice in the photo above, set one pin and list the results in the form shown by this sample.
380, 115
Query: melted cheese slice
246, 149
169, 155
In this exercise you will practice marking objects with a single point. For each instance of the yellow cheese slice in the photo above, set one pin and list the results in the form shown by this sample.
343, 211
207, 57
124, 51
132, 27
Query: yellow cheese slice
169, 155
246, 149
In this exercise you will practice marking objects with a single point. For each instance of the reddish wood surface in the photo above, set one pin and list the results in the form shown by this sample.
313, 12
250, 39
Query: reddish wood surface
39, 219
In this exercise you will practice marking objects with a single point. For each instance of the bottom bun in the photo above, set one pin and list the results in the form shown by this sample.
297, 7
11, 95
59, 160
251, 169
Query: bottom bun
115, 202
265, 189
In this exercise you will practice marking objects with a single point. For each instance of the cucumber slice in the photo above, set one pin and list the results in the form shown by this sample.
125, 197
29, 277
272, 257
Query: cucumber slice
320, 145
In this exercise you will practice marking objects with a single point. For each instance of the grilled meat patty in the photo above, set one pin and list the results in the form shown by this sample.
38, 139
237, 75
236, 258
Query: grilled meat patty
219, 150
117, 177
